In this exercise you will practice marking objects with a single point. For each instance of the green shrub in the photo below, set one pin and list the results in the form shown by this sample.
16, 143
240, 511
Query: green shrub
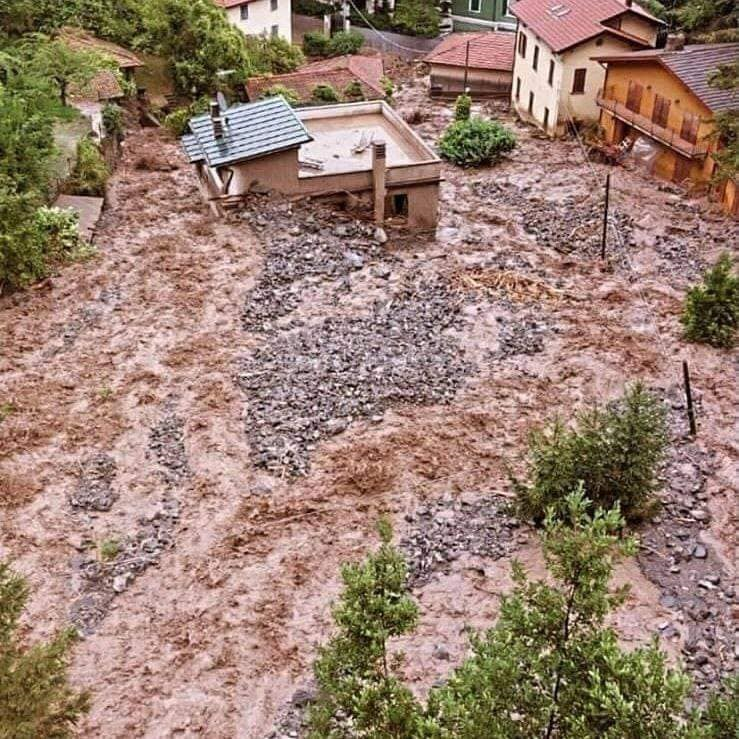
345, 42
551, 666
358, 693
353, 91
711, 313
615, 451
462, 108
91, 173
417, 18
387, 87
176, 122
276, 55
58, 230
314, 8
291, 97
325, 94
315, 43
113, 120
475, 141
35, 696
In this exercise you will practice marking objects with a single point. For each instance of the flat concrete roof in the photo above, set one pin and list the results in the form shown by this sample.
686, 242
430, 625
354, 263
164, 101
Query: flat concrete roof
337, 129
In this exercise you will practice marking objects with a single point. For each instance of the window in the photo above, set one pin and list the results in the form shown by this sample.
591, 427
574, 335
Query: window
546, 118
550, 78
504, 8
273, 4
633, 96
521, 44
400, 204
578, 82
531, 103
275, 32
535, 63
244, 10
518, 88
475, 6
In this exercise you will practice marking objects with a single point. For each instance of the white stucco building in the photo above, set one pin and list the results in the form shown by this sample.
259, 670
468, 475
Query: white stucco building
555, 79
260, 17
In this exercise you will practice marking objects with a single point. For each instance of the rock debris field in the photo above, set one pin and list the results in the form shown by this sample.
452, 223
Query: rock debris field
192, 409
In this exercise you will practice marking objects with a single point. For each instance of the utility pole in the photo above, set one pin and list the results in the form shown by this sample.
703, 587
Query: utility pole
605, 219
689, 399
466, 66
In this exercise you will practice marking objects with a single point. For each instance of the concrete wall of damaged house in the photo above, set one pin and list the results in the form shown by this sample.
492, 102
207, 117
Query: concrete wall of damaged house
656, 80
450, 80
277, 171
262, 18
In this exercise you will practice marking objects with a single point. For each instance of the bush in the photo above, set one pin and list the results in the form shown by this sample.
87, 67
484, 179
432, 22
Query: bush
315, 43
345, 42
176, 122
614, 451
91, 173
291, 97
113, 120
358, 694
35, 697
462, 108
475, 141
277, 55
387, 87
22, 258
314, 8
325, 94
417, 18
353, 91
58, 230
711, 312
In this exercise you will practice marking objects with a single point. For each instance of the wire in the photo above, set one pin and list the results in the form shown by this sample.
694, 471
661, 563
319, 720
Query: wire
377, 31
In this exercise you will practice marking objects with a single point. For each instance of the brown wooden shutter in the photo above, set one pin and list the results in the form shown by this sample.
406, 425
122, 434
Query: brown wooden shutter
661, 110
689, 130
633, 98
578, 82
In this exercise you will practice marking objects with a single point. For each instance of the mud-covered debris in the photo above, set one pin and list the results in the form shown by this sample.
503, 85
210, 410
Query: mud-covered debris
446, 529
94, 489
167, 445
299, 383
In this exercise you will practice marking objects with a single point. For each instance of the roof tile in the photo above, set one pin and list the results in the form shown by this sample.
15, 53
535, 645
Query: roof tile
489, 50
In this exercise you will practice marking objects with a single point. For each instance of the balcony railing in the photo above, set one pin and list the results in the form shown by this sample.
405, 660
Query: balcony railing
640, 122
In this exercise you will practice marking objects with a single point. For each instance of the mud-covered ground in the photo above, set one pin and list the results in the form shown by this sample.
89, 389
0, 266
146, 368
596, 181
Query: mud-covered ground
202, 422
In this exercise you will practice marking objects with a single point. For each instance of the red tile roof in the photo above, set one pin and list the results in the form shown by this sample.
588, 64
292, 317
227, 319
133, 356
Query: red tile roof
562, 24
488, 50
337, 72
81, 40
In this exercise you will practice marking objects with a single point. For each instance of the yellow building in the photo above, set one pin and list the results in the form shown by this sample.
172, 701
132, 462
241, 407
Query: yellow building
555, 80
663, 96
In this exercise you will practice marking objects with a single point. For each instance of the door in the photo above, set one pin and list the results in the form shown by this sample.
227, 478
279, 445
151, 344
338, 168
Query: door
689, 130
633, 98
682, 169
661, 111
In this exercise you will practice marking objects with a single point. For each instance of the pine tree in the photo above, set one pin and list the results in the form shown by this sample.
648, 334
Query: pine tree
35, 698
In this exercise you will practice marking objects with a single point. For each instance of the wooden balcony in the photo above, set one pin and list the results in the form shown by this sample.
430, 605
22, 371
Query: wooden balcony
666, 136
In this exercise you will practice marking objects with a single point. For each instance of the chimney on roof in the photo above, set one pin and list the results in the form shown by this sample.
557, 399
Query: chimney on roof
675, 42
215, 116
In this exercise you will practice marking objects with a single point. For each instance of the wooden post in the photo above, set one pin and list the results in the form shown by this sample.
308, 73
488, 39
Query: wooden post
605, 219
466, 66
689, 398
379, 173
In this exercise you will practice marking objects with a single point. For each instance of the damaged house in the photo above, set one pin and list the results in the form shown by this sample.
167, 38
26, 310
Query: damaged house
362, 150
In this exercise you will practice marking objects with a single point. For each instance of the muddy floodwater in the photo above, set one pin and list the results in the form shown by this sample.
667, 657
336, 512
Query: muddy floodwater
234, 401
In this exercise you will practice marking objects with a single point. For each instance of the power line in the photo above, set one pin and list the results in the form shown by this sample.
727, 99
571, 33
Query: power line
377, 31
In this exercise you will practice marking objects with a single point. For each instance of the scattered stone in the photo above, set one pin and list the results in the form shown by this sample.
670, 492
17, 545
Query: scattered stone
94, 491
166, 443
299, 383
699, 551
